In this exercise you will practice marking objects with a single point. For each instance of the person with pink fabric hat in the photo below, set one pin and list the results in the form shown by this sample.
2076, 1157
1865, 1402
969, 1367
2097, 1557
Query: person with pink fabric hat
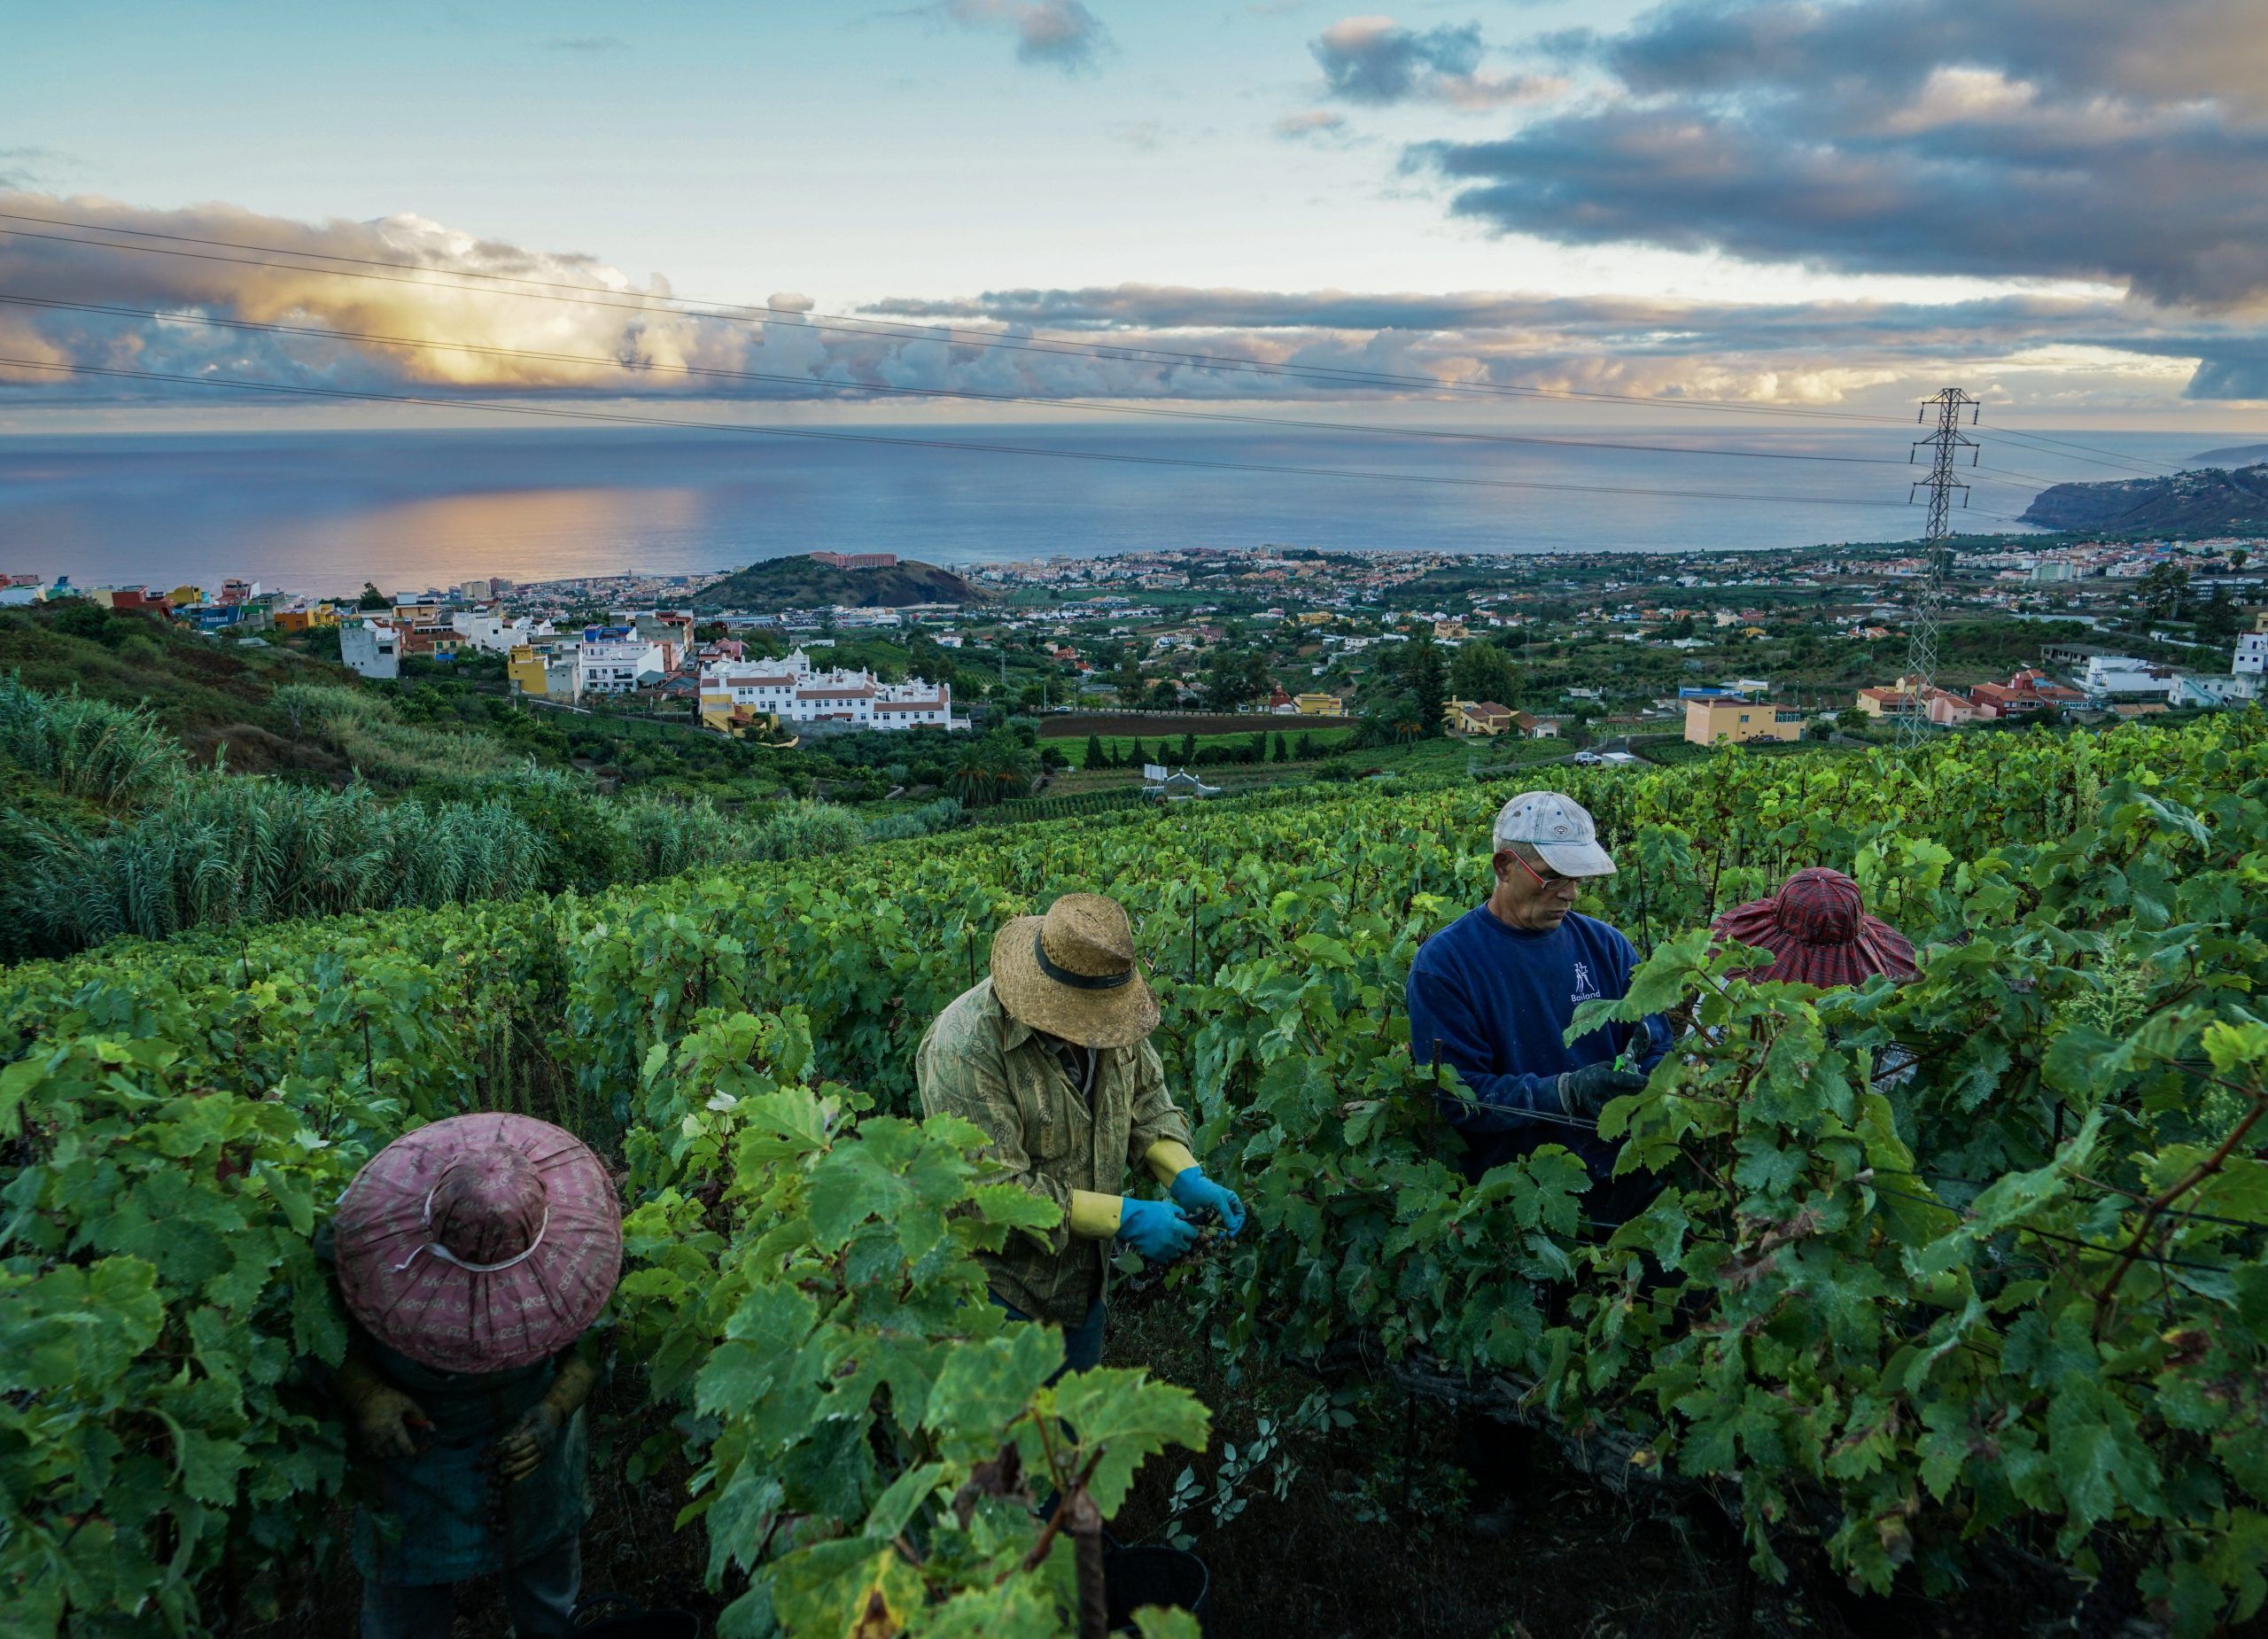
1818, 931
474, 1255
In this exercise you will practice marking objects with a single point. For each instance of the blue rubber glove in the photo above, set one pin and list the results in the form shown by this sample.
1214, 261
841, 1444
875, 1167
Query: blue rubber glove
1156, 1229
1192, 1190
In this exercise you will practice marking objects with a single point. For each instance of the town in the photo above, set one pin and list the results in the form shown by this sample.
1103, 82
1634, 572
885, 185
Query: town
1629, 653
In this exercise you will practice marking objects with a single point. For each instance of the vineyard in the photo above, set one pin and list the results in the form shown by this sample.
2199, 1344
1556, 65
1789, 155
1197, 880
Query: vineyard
2001, 1313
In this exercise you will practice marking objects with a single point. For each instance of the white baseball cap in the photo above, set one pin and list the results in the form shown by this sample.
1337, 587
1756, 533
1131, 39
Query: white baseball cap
1559, 829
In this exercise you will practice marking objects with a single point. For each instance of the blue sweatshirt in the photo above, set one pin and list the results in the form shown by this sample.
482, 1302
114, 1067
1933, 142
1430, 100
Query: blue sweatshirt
1493, 1002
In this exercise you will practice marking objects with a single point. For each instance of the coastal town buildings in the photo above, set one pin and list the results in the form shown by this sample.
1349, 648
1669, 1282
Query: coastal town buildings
794, 691
1735, 719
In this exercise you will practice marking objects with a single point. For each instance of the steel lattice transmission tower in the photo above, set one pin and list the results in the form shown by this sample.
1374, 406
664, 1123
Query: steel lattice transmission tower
1922, 642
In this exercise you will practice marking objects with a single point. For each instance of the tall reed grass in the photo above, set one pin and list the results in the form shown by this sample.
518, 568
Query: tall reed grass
113, 755
218, 850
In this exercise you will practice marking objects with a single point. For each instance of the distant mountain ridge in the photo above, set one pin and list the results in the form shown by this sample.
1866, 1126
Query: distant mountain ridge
806, 583
2207, 500
2234, 455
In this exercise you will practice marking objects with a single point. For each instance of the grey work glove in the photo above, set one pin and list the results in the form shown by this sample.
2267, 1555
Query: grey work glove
1585, 1093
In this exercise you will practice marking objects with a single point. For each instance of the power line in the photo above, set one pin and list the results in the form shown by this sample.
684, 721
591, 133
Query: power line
558, 413
2155, 468
562, 290
638, 367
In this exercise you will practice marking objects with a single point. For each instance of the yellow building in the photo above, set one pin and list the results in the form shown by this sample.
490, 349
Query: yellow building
1316, 705
182, 596
305, 620
1900, 699
526, 669
1717, 722
1476, 716
742, 722
1314, 618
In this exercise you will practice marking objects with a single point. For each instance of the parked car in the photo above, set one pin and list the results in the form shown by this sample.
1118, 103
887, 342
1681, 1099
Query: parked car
1587, 758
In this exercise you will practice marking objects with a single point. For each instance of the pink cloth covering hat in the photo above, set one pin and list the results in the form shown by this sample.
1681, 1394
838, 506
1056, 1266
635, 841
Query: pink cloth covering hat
1819, 932
478, 1244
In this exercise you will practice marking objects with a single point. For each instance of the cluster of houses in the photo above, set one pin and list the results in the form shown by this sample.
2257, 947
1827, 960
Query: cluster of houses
239, 606
739, 697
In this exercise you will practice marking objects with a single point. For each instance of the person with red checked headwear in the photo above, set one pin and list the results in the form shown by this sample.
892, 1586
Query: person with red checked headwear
1818, 931
475, 1257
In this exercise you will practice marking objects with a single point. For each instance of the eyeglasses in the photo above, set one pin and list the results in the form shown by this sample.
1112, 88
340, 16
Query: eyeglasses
1541, 880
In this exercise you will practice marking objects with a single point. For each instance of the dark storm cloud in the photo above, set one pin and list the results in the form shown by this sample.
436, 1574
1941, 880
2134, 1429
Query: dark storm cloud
1374, 60
2034, 138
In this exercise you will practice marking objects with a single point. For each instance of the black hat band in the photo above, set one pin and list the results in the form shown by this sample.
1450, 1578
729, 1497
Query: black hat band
1076, 981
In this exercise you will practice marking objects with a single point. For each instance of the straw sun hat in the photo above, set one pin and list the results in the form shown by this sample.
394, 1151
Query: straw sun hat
480, 1243
1071, 973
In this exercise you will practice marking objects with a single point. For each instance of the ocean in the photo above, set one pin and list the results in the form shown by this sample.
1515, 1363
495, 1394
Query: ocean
324, 511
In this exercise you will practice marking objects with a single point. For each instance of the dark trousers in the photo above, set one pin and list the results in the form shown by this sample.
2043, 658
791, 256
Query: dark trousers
1082, 1343
540, 1593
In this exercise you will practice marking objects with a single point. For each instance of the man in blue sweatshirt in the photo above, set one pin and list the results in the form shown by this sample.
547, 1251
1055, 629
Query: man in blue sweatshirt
1492, 994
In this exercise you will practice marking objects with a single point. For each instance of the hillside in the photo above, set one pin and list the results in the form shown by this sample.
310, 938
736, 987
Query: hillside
2207, 500
2233, 455
216, 696
801, 583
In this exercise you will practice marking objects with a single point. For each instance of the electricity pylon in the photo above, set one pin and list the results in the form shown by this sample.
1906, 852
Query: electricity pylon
1922, 640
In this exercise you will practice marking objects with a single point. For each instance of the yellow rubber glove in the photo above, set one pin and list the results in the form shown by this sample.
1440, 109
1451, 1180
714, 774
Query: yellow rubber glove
1167, 1159
1096, 1218
386, 1421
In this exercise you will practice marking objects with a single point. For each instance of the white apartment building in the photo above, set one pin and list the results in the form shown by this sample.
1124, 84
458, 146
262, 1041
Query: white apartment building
2122, 674
2251, 656
492, 634
791, 690
610, 660
371, 647
2206, 689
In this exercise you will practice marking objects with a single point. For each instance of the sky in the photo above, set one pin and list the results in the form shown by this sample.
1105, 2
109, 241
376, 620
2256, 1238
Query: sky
1826, 204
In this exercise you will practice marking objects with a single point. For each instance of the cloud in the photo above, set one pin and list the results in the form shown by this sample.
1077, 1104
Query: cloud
1801, 352
615, 342
622, 342
1062, 33
592, 44
1302, 123
1375, 59
2032, 139
29, 167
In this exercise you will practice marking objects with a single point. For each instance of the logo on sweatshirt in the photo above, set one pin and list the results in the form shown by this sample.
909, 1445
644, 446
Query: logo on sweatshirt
1586, 988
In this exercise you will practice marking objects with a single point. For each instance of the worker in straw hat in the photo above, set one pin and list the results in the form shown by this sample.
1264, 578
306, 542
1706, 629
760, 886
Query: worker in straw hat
1492, 995
1050, 1055
474, 1256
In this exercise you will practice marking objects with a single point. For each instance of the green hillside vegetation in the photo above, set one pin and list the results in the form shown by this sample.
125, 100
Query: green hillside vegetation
111, 829
803, 583
1985, 1332
212, 694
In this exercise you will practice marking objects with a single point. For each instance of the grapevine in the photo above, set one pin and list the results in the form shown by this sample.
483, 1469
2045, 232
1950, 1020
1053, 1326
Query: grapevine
2011, 1299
